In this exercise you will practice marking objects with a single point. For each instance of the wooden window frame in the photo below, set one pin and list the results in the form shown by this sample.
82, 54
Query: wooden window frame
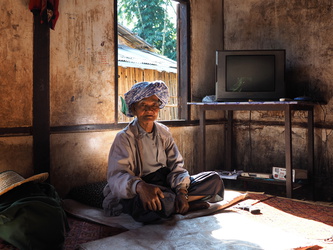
183, 60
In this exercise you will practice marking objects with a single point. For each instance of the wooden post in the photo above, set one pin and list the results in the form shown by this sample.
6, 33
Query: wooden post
41, 96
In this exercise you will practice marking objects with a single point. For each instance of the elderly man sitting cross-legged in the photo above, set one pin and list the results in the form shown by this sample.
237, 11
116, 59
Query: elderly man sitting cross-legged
146, 174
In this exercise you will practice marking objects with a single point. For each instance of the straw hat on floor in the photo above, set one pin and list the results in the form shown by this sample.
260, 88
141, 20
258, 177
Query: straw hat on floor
10, 179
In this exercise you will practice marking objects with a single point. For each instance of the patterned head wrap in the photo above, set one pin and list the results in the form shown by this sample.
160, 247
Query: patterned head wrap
143, 90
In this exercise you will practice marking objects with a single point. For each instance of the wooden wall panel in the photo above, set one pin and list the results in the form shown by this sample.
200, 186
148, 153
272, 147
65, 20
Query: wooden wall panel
186, 139
206, 38
16, 154
82, 64
16, 22
79, 158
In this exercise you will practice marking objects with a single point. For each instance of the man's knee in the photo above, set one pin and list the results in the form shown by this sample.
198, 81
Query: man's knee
218, 184
217, 180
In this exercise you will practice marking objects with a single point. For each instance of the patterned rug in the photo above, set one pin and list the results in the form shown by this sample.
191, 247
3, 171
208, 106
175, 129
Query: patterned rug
83, 231
313, 220
317, 211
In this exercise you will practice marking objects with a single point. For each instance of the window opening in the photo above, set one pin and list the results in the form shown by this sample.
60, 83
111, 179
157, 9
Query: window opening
147, 49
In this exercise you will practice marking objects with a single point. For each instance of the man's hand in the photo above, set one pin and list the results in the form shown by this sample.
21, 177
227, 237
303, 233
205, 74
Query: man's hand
150, 196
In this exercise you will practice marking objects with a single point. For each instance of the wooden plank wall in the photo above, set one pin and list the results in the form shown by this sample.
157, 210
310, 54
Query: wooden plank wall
127, 77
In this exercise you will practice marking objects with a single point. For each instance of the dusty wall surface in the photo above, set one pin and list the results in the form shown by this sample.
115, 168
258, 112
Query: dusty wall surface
187, 138
82, 64
15, 75
16, 154
16, 34
79, 158
302, 28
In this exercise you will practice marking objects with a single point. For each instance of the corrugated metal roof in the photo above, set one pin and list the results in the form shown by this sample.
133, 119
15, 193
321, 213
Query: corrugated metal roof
144, 59
135, 41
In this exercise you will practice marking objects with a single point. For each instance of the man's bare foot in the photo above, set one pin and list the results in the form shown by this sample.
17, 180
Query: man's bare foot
198, 205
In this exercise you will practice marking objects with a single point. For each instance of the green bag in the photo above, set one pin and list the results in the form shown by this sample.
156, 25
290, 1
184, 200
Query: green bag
31, 217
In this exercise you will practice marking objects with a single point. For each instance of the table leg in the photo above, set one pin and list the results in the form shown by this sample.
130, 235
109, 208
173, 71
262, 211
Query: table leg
202, 154
311, 172
229, 141
288, 159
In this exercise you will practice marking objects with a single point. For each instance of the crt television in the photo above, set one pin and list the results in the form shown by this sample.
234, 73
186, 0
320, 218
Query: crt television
243, 75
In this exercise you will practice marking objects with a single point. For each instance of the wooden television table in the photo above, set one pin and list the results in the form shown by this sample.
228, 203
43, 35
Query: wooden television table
286, 107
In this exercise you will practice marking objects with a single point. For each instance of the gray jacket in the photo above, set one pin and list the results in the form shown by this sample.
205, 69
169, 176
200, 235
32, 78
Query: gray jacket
125, 165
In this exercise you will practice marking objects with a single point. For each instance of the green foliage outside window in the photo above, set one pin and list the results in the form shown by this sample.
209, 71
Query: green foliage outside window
151, 20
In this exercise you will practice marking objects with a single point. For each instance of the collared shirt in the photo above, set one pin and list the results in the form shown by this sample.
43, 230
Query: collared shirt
150, 152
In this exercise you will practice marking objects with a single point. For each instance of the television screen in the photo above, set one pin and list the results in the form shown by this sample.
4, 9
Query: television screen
250, 73
255, 75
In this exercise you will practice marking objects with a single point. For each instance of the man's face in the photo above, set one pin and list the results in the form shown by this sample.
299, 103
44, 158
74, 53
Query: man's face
147, 109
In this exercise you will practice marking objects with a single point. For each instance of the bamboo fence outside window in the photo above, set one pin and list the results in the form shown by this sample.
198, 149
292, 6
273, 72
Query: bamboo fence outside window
127, 77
